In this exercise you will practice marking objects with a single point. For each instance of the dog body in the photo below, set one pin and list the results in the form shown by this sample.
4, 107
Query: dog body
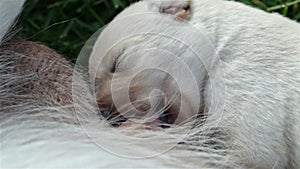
248, 74
259, 54
247, 89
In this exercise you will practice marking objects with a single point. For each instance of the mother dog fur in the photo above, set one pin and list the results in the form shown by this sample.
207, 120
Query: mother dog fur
253, 73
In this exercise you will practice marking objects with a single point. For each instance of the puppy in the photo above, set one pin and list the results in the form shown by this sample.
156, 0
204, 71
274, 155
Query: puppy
48, 116
167, 62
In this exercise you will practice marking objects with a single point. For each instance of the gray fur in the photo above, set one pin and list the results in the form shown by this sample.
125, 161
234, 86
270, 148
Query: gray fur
9, 11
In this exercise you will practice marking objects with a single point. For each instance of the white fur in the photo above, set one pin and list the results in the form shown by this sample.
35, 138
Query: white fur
260, 121
39, 132
253, 66
44, 134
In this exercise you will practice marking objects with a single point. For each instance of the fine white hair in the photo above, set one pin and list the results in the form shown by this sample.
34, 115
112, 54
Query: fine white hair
40, 132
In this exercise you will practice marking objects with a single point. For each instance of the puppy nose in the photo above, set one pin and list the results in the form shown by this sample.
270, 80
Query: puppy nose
113, 117
106, 113
165, 119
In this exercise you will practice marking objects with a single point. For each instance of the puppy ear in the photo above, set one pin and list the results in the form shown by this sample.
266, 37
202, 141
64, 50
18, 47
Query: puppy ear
180, 9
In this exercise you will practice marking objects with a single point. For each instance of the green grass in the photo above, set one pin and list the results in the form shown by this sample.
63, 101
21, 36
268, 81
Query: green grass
65, 25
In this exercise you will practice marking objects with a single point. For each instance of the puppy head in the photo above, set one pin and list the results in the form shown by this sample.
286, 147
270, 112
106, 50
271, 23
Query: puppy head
148, 97
142, 67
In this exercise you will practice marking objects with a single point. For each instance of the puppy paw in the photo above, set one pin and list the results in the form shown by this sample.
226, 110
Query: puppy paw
180, 9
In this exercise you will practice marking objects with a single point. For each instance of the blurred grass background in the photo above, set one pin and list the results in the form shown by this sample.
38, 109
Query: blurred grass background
65, 25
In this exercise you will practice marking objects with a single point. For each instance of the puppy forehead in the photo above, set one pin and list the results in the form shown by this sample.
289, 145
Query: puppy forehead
136, 19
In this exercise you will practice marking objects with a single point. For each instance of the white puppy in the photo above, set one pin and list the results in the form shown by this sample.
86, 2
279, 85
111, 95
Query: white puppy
237, 66
48, 119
